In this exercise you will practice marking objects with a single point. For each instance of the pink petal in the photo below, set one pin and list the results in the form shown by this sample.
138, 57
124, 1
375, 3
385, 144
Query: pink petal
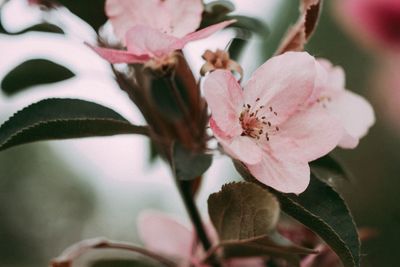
307, 135
144, 40
204, 33
185, 16
165, 235
118, 56
225, 99
242, 148
125, 14
355, 114
335, 75
283, 174
284, 82
173, 17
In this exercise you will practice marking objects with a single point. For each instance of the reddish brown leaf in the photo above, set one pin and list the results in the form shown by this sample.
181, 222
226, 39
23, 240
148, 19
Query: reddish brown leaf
300, 33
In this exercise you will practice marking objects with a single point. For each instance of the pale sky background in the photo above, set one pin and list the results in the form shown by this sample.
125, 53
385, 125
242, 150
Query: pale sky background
117, 166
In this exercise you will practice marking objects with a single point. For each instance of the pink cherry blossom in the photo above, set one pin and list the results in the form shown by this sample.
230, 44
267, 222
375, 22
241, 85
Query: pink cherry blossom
154, 28
374, 22
166, 235
352, 110
274, 126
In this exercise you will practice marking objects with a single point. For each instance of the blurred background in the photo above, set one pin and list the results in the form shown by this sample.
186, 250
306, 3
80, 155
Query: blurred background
53, 194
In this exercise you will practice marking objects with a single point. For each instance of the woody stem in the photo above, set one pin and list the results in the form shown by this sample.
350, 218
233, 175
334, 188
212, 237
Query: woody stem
185, 188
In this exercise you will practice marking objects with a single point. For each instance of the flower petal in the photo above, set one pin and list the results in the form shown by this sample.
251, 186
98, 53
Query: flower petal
307, 135
355, 114
283, 174
335, 74
163, 234
242, 148
204, 33
225, 99
125, 14
185, 15
174, 17
284, 82
144, 40
118, 56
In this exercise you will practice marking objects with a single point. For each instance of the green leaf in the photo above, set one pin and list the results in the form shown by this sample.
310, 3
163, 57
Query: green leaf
34, 72
321, 209
245, 217
189, 165
53, 119
328, 169
242, 211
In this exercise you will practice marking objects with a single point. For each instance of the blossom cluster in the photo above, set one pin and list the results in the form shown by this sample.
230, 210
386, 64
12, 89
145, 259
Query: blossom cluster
293, 110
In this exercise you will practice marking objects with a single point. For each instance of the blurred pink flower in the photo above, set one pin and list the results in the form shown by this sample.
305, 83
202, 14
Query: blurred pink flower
154, 28
385, 85
302, 236
164, 234
274, 125
353, 111
375, 22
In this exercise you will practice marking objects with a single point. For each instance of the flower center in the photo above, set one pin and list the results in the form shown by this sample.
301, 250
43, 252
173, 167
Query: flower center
324, 101
255, 125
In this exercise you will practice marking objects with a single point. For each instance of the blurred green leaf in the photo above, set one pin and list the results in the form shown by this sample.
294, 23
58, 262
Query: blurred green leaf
218, 8
34, 72
321, 209
42, 27
53, 119
251, 24
245, 23
245, 217
189, 165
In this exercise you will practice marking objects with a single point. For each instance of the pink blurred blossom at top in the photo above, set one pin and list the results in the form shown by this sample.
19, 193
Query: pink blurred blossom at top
152, 29
376, 23
293, 110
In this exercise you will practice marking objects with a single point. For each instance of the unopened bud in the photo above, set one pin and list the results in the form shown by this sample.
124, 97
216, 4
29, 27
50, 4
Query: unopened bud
219, 60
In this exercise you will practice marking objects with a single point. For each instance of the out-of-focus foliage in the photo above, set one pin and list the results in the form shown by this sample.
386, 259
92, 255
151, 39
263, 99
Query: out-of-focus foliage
43, 206
34, 72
